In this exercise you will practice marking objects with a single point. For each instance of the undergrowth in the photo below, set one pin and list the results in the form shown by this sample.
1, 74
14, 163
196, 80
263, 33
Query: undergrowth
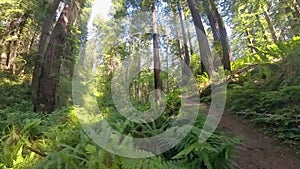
57, 140
269, 94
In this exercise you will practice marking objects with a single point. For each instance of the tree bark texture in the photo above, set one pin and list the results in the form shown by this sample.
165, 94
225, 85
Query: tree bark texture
205, 53
183, 31
226, 52
48, 81
157, 79
43, 44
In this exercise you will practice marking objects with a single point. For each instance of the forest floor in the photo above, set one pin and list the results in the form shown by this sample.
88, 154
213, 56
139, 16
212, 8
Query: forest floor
258, 151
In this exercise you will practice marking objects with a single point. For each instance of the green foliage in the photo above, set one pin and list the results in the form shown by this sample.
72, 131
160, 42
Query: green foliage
14, 90
66, 146
215, 153
34, 140
19, 26
268, 94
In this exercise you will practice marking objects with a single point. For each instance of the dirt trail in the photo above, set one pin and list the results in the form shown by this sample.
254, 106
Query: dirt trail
257, 151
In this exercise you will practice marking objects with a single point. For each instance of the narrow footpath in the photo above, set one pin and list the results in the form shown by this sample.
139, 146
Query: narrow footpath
258, 151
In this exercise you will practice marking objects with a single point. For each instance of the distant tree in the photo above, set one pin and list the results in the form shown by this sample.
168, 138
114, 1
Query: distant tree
201, 37
157, 68
18, 32
219, 32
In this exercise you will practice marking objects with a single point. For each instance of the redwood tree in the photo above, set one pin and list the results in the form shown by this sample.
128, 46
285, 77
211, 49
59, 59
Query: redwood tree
226, 52
201, 37
46, 97
43, 43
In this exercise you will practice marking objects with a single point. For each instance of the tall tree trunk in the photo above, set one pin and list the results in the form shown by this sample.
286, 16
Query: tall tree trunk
186, 50
157, 79
185, 67
201, 37
212, 22
270, 26
203, 70
51, 66
223, 37
215, 29
43, 44
189, 35
178, 35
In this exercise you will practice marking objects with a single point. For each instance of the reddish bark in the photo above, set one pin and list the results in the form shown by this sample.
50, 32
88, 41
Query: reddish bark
51, 66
